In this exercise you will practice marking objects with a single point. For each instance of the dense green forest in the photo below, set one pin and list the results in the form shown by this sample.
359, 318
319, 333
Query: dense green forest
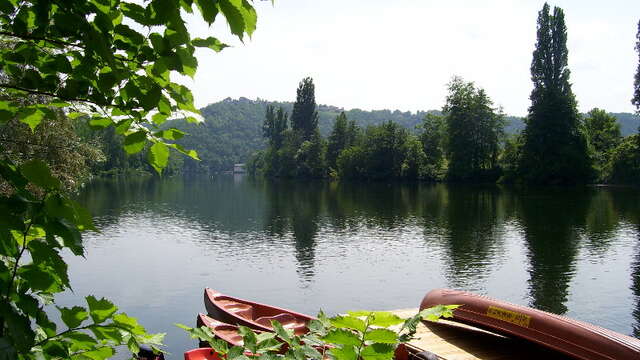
232, 128
231, 133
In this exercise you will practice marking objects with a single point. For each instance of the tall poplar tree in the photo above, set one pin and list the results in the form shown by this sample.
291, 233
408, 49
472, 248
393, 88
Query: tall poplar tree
274, 126
304, 117
555, 149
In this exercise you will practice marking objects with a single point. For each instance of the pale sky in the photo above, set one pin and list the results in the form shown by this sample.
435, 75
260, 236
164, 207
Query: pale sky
400, 54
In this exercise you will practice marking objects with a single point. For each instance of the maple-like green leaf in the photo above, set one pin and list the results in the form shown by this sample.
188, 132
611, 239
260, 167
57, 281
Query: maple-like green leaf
7, 111
377, 352
80, 341
135, 142
38, 173
31, 116
385, 336
208, 9
284, 334
100, 122
73, 317
127, 322
344, 353
210, 42
170, 134
342, 337
40, 277
159, 156
348, 322
439, 311
190, 153
100, 353
250, 340
385, 319
100, 310
232, 10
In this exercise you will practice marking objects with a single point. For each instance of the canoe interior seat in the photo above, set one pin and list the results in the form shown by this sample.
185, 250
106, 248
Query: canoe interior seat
243, 310
298, 328
285, 319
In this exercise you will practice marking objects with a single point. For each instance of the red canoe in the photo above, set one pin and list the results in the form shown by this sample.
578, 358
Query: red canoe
577, 339
201, 354
258, 316
251, 314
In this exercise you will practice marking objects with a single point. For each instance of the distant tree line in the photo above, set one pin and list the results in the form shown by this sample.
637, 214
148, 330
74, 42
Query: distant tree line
461, 144
467, 140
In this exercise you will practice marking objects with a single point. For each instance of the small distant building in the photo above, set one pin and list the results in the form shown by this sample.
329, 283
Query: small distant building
239, 169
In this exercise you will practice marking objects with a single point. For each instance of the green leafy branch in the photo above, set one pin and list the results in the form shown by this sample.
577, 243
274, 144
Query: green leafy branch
87, 53
84, 55
363, 335
108, 327
358, 335
37, 219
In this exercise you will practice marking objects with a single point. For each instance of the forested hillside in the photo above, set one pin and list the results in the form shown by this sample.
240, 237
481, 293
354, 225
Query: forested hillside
232, 129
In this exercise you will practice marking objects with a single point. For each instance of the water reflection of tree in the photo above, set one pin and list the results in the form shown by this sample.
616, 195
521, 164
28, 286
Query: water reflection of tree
601, 223
276, 223
635, 288
627, 204
377, 205
471, 237
296, 205
108, 199
552, 220
342, 205
307, 202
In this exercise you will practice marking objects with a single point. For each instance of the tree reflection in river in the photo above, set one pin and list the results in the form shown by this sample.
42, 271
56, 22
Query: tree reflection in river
295, 207
552, 221
472, 238
627, 206
635, 287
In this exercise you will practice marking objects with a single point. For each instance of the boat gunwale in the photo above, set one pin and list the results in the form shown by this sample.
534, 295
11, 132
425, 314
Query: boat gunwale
212, 299
575, 337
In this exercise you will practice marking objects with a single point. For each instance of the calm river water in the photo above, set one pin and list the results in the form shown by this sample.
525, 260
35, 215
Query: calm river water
317, 245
